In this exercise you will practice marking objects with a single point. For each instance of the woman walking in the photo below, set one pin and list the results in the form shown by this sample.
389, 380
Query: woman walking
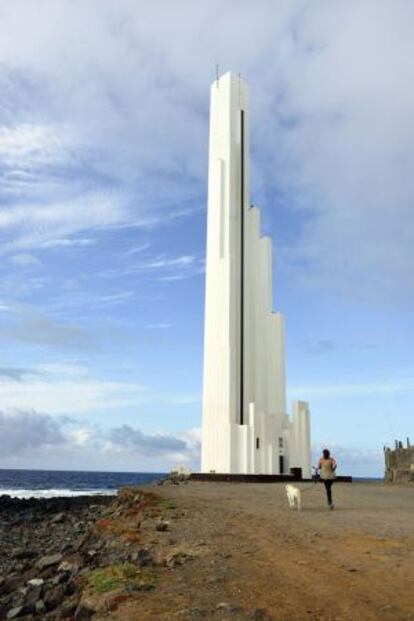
327, 468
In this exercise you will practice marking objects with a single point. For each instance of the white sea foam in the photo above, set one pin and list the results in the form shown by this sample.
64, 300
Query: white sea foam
54, 493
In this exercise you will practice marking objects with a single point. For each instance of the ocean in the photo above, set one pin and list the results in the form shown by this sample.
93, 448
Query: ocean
50, 483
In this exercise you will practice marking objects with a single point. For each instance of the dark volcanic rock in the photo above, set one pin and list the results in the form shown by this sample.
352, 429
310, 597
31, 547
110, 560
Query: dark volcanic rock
31, 598
40, 607
58, 518
37, 560
69, 587
48, 561
54, 597
68, 608
15, 612
144, 558
162, 526
83, 613
23, 553
10, 584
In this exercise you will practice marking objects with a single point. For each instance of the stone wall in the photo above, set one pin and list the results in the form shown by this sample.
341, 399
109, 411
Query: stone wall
399, 463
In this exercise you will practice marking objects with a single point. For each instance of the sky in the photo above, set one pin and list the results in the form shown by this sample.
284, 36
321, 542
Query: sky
104, 112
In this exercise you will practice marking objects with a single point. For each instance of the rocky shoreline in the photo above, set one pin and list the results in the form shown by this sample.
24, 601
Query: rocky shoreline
82, 558
42, 554
60, 557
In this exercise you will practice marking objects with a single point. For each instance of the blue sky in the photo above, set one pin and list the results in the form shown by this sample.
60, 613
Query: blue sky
103, 164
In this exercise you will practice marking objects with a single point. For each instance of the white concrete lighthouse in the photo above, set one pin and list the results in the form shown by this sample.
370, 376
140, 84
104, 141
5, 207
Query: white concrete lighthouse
246, 428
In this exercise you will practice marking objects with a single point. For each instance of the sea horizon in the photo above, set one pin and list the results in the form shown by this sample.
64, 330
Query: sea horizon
40, 483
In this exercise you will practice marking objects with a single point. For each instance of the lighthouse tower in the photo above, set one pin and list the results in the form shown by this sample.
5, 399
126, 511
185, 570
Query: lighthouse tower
246, 428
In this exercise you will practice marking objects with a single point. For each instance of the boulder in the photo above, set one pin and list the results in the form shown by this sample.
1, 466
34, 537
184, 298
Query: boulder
68, 608
162, 525
10, 584
66, 547
15, 612
54, 597
23, 553
40, 607
144, 558
179, 557
48, 561
58, 518
83, 612
36, 582
69, 587
227, 607
31, 598
61, 577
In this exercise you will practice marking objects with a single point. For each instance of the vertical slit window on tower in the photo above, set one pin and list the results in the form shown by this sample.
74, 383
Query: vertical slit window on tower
257, 443
242, 267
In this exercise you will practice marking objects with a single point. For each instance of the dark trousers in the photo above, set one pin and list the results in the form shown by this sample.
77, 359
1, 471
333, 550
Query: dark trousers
328, 486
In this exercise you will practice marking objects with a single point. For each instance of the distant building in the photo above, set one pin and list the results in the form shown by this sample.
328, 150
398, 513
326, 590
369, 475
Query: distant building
399, 463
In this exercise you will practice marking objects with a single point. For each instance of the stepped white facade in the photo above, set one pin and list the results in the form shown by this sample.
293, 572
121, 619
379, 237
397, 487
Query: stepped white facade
246, 428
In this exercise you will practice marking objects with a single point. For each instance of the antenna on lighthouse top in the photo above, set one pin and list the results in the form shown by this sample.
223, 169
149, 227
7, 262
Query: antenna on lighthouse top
217, 76
239, 88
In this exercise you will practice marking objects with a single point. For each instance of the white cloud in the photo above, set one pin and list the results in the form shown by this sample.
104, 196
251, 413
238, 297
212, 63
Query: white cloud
30, 146
159, 326
68, 388
20, 430
180, 447
136, 250
192, 438
164, 267
68, 242
355, 389
80, 436
60, 442
332, 98
31, 326
14, 373
70, 395
127, 438
24, 260
162, 262
60, 388
34, 225
62, 369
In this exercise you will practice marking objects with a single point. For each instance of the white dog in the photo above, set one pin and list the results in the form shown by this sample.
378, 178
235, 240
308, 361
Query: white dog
293, 496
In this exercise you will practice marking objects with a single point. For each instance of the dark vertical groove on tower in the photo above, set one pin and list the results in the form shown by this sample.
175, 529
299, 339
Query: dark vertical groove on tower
242, 267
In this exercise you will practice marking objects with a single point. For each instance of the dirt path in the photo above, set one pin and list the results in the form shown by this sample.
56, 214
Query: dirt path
246, 556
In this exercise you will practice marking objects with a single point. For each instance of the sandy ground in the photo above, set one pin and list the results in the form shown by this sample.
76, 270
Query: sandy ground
252, 556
